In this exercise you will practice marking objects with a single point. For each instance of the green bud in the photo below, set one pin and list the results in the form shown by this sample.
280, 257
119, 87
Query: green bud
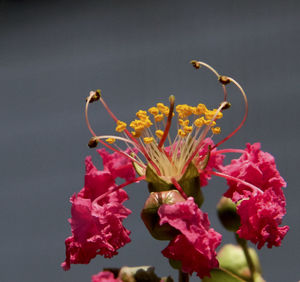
232, 258
151, 218
227, 214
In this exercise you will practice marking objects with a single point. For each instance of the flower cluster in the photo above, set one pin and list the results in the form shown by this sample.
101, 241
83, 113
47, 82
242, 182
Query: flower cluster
184, 166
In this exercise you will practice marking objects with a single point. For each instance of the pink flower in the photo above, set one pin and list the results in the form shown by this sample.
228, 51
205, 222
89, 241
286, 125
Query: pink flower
96, 224
195, 246
256, 167
105, 276
260, 218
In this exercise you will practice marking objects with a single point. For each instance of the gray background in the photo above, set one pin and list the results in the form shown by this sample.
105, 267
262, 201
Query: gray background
52, 53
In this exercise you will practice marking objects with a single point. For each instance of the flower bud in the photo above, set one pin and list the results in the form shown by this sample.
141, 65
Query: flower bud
151, 218
228, 215
232, 258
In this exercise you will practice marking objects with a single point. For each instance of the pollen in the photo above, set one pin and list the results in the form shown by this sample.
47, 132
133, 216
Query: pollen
121, 126
183, 122
199, 122
181, 133
210, 114
188, 129
153, 110
216, 130
158, 117
110, 140
184, 110
136, 134
163, 108
200, 109
148, 140
209, 122
159, 133
142, 115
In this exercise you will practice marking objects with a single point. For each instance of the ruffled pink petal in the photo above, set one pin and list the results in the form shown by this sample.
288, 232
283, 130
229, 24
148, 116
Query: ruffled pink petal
117, 164
195, 246
96, 225
261, 216
256, 167
105, 276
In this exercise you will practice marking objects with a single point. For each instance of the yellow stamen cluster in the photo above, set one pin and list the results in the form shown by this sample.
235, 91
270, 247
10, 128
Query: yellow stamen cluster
110, 140
184, 111
148, 140
162, 108
121, 126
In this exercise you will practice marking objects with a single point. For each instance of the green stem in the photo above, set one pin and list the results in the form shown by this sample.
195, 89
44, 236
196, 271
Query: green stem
183, 277
244, 245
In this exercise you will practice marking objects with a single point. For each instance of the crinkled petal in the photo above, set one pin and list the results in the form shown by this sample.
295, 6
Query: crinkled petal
196, 244
261, 216
118, 165
256, 167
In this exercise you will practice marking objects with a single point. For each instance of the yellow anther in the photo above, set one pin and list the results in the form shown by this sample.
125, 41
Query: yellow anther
188, 129
164, 109
142, 115
153, 110
209, 122
200, 109
159, 133
147, 122
181, 133
148, 140
183, 122
110, 140
184, 110
158, 117
210, 114
199, 122
216, 130
121, 126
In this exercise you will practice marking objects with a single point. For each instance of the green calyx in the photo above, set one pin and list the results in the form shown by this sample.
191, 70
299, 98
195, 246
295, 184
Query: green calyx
189, 182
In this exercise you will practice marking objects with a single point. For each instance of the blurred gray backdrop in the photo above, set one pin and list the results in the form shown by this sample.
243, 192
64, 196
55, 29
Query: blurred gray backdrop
53, 52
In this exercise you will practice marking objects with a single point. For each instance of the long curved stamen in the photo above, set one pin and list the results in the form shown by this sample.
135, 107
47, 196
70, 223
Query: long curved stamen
126, 131
203, 134
178, 187
117, 188
225, 80
98, 137
141, 148
169, 121
228, 177
245, 114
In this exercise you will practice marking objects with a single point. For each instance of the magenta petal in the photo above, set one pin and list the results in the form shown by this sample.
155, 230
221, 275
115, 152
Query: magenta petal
261, 216
117, 164
195, 246
256, 167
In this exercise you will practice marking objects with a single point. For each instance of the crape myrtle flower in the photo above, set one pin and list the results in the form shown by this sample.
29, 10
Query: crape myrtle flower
260, 212
184, 163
